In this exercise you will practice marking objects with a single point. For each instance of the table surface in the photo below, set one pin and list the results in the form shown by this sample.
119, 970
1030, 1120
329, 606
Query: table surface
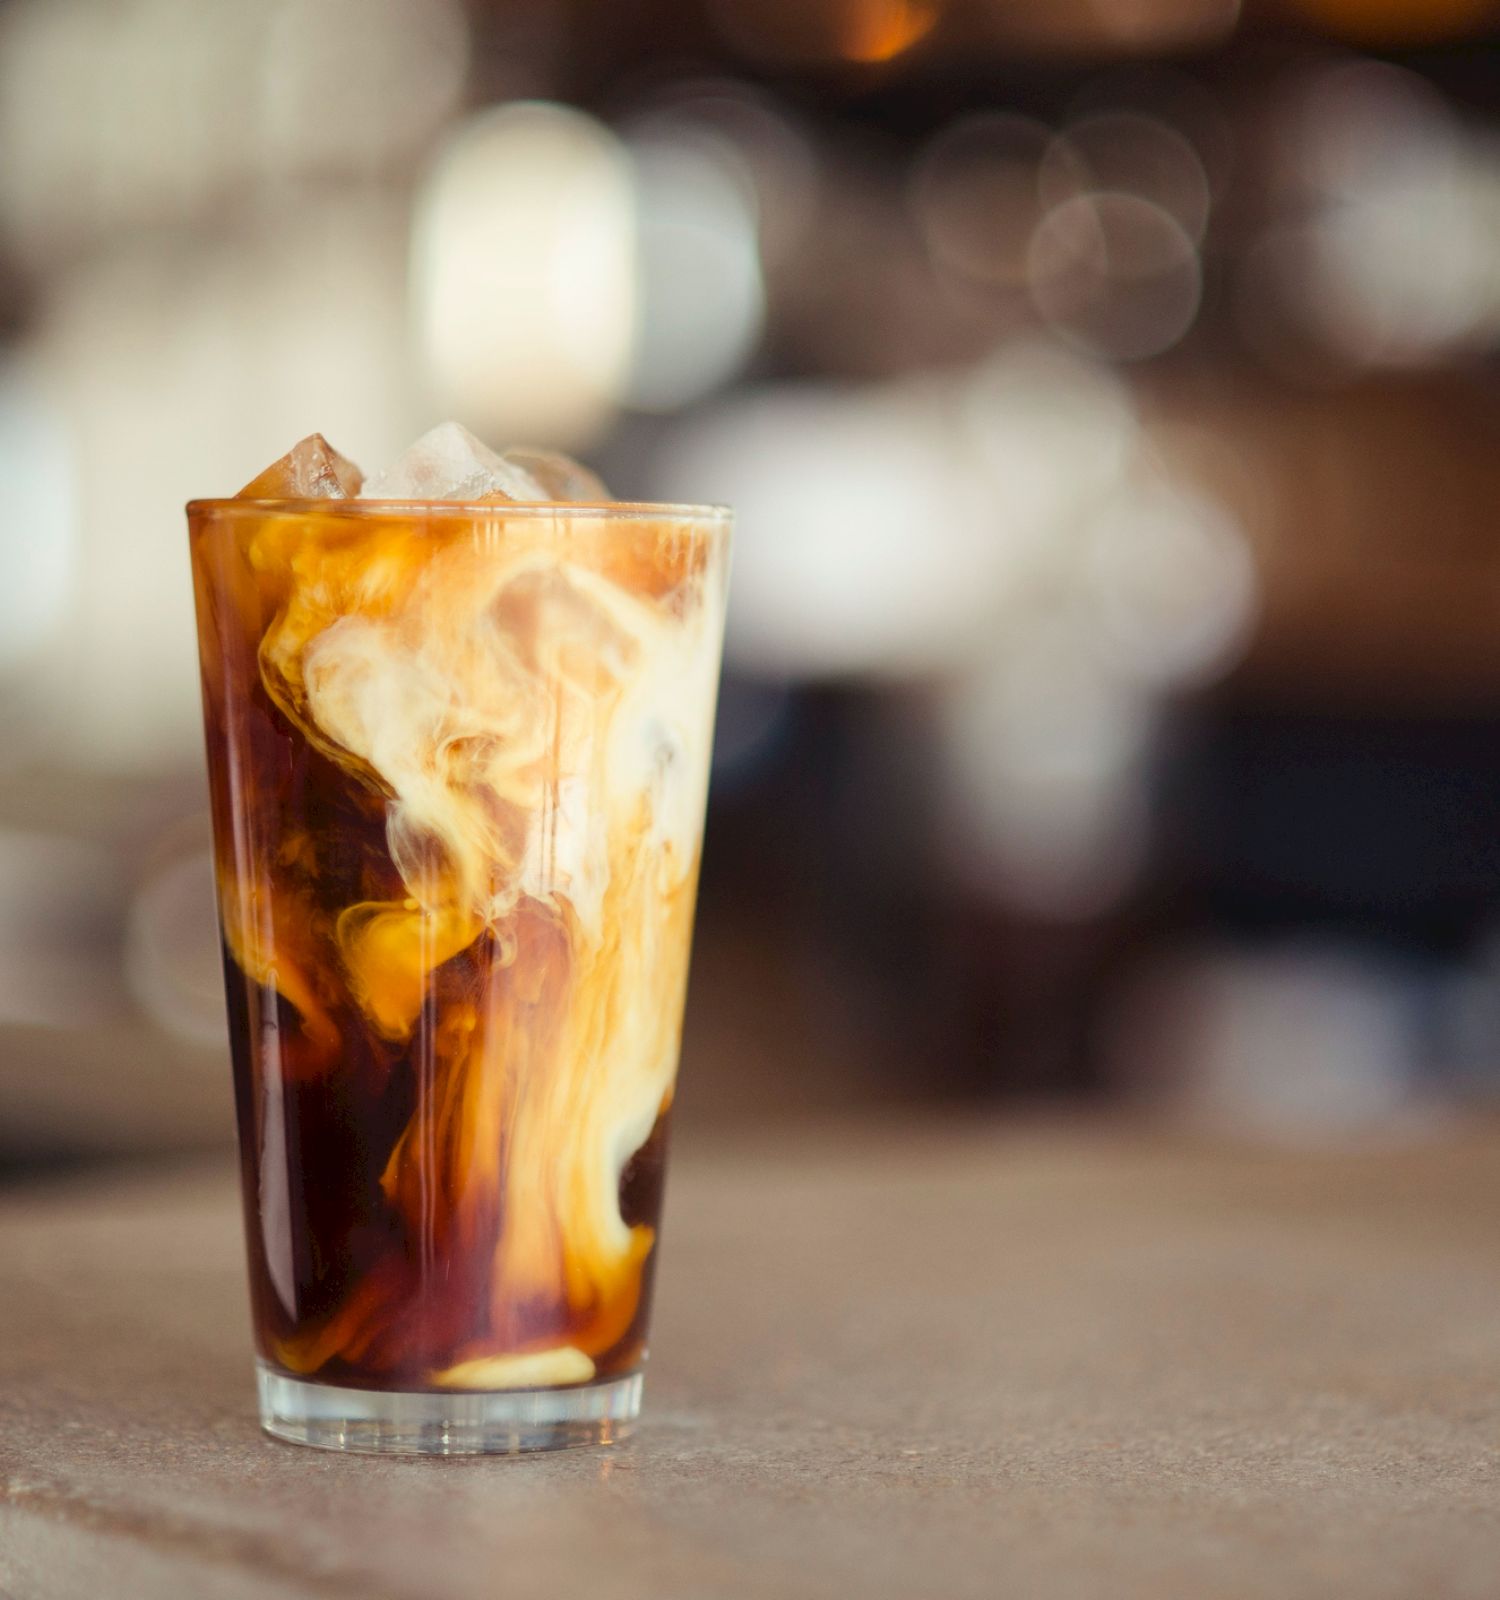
1048, 1361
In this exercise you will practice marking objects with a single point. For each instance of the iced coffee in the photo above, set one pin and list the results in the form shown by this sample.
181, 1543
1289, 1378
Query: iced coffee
458, 722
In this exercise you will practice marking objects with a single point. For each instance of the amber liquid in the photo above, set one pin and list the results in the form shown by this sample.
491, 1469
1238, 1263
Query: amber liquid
456, 934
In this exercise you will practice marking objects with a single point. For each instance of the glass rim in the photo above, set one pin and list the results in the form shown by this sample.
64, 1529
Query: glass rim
600, 510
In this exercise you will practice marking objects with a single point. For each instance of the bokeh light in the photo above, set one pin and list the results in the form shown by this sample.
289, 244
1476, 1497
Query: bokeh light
1384, 255
1170, 583
524, 274
1042, 773
1116, 274
133, 350
1170, 96
700, 298
1307, 1041
977, 198
191, 105
750, 131
865, 544
1053, 433
38, 538
356, 84
1404, 244
881, 30
1125, 152
864, 32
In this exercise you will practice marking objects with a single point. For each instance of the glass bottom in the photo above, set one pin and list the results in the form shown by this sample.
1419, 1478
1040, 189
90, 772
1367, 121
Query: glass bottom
505, 1422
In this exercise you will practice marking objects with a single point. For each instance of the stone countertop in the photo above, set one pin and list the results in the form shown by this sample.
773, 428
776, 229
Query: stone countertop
1045, 1361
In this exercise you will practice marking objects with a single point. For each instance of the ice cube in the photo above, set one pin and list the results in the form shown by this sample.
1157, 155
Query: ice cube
558, 477
311, 470
449, 463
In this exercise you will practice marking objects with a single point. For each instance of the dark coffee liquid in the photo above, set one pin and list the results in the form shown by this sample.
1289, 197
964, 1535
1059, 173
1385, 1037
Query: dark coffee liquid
323, 1145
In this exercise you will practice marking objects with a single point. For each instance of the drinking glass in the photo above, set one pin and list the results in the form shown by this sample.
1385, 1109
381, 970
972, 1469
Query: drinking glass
458, 757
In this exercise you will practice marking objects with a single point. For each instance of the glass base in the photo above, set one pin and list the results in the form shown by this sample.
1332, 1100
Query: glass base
504, 1422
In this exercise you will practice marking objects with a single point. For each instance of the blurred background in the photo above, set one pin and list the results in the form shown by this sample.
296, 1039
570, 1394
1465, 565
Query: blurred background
1108, 393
